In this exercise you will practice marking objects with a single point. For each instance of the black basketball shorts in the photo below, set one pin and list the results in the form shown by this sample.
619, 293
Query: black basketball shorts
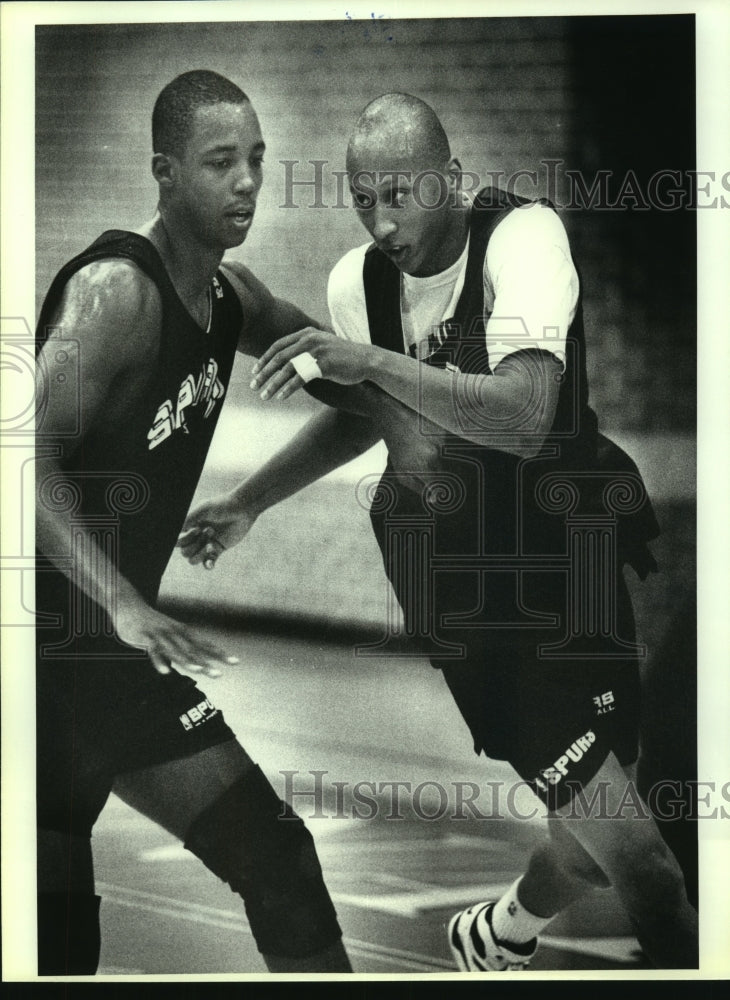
97, 719
555, 724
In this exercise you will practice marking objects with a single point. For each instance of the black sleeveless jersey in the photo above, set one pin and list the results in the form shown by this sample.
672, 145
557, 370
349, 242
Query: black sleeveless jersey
460, 340
498, 509
131, 485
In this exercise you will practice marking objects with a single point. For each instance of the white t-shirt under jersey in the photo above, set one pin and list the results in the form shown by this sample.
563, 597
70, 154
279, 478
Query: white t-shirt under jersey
530, 288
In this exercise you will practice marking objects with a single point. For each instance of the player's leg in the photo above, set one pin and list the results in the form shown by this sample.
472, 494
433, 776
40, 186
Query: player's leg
503, 934
559, 872
221, 805
68, 909
623, 839
542, 715
72, 785
486, 703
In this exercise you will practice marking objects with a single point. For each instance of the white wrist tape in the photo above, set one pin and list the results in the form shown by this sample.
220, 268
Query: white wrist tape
306, 367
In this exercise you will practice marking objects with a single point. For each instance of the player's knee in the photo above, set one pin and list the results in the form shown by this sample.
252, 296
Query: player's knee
253, 841
663, 873
649, 876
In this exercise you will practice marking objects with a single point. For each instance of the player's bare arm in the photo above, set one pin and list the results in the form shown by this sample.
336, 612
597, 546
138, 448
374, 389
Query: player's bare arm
329, 440
520, 397
110, 318
266, 317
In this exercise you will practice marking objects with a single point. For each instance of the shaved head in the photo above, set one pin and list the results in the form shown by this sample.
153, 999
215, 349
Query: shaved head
406, 185
403, 128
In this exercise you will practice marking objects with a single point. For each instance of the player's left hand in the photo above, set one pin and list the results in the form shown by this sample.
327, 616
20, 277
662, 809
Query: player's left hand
338, 360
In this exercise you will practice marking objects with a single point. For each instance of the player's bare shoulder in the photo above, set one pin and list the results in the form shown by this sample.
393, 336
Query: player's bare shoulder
114, 310
109, 318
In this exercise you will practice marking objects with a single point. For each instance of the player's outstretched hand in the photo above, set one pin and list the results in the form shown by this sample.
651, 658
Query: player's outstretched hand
294, 360
212, 527
168, 642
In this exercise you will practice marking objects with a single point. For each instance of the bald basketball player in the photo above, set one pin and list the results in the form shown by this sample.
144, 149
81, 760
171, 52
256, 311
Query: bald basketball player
459, 341
153, 320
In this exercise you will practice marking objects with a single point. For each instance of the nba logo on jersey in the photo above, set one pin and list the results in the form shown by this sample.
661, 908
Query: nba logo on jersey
198, 714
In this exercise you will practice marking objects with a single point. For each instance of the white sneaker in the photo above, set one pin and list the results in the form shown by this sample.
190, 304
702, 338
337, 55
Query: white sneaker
475, 954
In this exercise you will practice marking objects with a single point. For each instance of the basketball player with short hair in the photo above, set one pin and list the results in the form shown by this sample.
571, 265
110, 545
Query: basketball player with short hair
495, 412
153, 320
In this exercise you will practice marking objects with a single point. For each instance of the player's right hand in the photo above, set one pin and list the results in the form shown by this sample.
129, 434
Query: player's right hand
168, 642
212, 527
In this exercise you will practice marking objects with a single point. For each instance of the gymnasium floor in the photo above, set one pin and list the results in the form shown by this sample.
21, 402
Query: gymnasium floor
396, 877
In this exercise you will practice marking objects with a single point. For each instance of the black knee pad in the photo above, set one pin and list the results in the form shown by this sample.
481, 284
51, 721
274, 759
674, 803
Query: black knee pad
254, 842
69, 939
